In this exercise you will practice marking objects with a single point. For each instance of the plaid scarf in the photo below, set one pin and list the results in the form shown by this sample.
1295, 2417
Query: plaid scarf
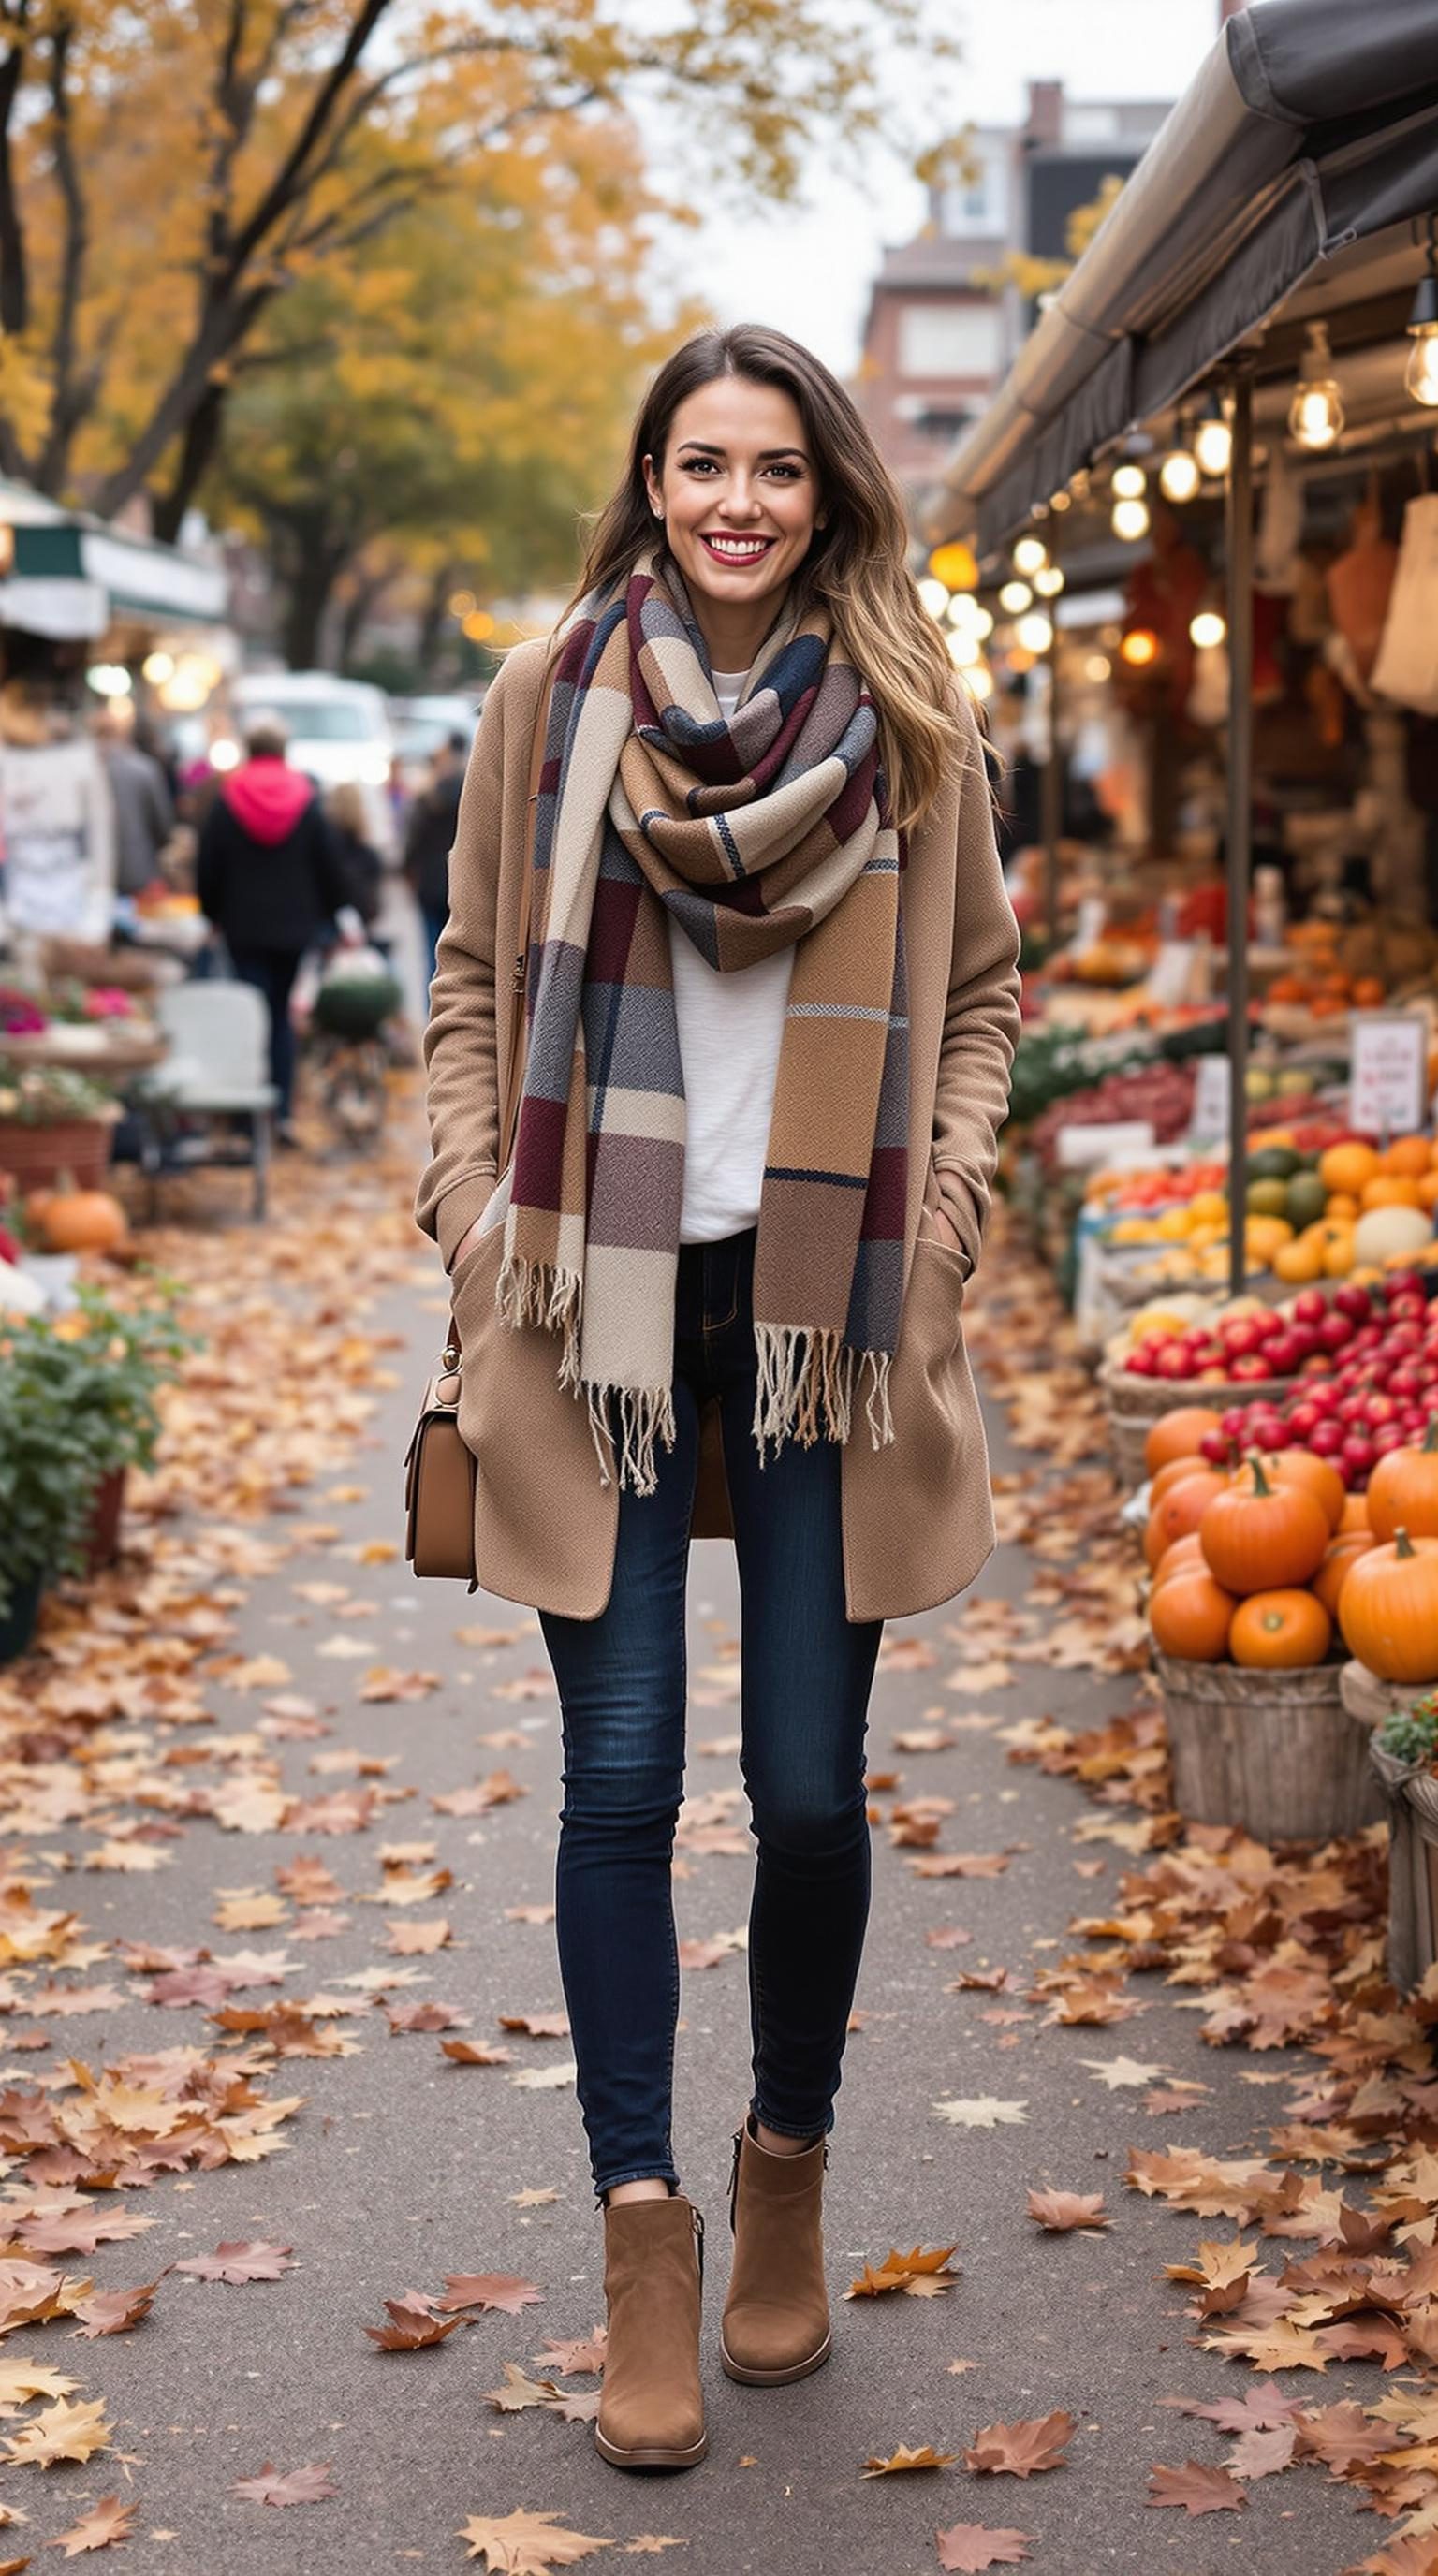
770, 829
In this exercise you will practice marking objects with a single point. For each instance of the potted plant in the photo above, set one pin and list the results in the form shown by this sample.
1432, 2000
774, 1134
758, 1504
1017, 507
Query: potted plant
77, 1408
53, 1120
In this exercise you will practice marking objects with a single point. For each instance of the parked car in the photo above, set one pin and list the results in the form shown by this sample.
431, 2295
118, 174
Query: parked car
420, 725
339, 731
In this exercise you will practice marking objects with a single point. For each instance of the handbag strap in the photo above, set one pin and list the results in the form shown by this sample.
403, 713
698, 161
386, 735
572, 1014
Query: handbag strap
514, 1065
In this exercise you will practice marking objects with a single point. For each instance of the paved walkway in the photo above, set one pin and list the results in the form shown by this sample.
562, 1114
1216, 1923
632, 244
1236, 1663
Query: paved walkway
362, 1843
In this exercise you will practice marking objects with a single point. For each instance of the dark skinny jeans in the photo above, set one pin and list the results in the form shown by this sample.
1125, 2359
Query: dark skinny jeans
805, 1676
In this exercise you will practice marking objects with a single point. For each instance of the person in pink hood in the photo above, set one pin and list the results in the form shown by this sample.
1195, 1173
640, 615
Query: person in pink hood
269, 877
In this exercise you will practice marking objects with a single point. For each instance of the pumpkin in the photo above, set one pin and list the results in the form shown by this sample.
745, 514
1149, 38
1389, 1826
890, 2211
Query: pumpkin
1181, 1511
1280, 1631
1355, 1516
1171, 1475
1390, 1190
1343, 1553
1190, 1616
74, 1220
1384, 1231
1403, 1489
1408, 1156
1388, 1610
1177, 1435
1319, 1475
1183, 1557
1259, 1536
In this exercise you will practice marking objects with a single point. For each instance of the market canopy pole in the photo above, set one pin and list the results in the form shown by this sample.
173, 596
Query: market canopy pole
1238, 533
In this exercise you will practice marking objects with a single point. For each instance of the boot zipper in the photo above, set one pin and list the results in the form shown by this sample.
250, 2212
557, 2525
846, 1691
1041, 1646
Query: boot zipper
697, 2216
734, 2182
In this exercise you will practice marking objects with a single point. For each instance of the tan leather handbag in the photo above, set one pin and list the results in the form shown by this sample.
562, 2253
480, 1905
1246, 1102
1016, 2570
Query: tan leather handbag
438, 1469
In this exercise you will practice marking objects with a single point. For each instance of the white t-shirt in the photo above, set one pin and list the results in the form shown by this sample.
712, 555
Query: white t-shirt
731, 1028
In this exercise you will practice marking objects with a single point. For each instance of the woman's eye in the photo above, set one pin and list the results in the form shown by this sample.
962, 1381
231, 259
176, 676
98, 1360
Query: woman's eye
699, 465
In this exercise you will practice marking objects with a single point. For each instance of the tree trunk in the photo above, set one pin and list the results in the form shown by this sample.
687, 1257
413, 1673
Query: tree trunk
431, 622
201, 439
316, 560
365, 597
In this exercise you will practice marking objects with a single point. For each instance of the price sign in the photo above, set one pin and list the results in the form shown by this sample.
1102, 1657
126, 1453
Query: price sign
1212, 1093
1388, 1088
1171, 973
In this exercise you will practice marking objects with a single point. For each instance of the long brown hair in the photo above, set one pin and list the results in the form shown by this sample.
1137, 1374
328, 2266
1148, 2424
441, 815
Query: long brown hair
856, 566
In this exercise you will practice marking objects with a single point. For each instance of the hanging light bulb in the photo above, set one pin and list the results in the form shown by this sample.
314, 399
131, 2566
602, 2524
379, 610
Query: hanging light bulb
1015, 597
933, 595
1421, 373
1049, 582
1213, 440
1035, 632
1129, 482
1129, 520
1030, 555
1206, 629
1315, 415
1179, 476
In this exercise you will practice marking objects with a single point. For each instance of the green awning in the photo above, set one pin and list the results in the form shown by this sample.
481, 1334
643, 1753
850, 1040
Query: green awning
139, 578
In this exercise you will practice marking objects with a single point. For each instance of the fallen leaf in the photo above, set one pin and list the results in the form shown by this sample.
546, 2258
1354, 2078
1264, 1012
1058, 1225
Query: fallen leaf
1196, 2488
905, 2458
504, 2290
1021, 2449
63, 2432
543, 2079
520, 2391
526, 2544
310, 2485
108, 2312
968, 2548
413, 2325
107, 2522
1064, 2209
981, 2111
468, 2052
1117, 2071
241, 2259
901, 2271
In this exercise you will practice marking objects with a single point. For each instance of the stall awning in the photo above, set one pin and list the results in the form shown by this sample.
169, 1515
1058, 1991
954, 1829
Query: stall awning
135, 577
1310, 131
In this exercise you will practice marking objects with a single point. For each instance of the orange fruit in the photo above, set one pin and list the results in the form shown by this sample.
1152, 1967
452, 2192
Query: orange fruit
1407, 1157
1386, 1191
1347, 1167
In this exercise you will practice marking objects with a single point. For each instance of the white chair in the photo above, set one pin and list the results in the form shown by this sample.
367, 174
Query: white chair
218, 1066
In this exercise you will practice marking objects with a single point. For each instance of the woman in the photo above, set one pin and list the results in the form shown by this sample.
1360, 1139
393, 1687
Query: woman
772, 1007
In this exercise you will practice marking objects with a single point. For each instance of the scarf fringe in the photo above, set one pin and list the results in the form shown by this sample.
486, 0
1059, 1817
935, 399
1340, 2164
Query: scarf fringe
538, 1292
646, 1416
807, 1384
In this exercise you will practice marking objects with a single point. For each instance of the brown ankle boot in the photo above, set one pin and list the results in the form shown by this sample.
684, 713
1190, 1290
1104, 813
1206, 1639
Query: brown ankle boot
776, 2317
651, 2407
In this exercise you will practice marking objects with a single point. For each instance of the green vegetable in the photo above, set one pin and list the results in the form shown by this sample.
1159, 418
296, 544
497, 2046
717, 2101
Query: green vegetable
1411, 1734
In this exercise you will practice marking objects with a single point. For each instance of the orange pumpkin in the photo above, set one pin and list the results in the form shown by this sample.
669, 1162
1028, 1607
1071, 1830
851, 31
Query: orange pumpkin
1403, 1489
1177, 1435
1184, 1557
1171, 1475
1318, 1475
1388, 1610
1408, 1157
1343, 1552
1355, 1516
1280, 1631
82, 1221
1259, 1536
1190, 1616
1181, 1511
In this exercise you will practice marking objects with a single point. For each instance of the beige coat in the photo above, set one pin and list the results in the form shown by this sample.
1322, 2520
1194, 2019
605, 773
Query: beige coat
918, 1521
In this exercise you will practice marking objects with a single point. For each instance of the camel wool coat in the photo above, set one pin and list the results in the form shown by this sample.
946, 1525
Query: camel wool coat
917, 1514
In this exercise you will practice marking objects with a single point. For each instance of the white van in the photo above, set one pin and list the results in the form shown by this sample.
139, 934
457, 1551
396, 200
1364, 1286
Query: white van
339, 733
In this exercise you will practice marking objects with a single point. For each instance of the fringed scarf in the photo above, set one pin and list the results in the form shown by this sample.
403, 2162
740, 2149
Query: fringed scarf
772, 828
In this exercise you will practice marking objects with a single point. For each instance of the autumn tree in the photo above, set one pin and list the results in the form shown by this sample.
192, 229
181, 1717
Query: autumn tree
446, 402
168, 174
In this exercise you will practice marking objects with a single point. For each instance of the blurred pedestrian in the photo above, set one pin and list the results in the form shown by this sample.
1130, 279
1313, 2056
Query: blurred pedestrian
360, 863
269, 878
774, 1011
429, 839
57, 823
144, 808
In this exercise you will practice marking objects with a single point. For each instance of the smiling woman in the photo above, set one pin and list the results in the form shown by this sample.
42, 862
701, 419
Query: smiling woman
772, 1003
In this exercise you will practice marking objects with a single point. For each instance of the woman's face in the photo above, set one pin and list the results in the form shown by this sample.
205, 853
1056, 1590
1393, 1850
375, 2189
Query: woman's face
738, 492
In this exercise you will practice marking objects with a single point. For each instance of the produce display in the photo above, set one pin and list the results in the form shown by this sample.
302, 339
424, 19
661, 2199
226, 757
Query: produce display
1318, 1205
1240, 1583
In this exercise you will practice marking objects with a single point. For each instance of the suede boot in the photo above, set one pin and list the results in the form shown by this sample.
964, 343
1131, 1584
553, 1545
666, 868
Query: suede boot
651, 2406
776, 2317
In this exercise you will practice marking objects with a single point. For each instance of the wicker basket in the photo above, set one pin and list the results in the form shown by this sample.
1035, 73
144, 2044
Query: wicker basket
1275, 1752
36, 1157
1135, 1404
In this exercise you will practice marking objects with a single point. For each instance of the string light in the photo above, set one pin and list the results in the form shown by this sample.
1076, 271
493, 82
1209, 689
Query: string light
1213, 440
1179, 476
1315, 415
1139, 647
1421, 373
933, 595
1015, 597
1035, 632
1129, 482
1030, 555
1129, 520
1206, 629
1049, 582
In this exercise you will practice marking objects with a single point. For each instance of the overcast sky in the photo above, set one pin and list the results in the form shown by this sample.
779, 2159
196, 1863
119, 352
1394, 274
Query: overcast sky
807, 269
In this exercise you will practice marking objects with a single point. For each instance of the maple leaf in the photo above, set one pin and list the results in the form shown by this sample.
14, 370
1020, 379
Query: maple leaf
981, 2111
488, 2290
63, 2432
525, 2543
464, 2052
428, 2016
533, 2196
382, 1682
1021, 2449
241, 2259
417, 1940
21, 2380
1117, 2071
247, 1909
960, 1865
496, 1789
1065, 2209
108, 2312
969, 2547
1196, 2488
80, 2231
925, 2457
107, 2522
310, 2485
575, 2405
414, 2325
543, 2079
541, 2025
579, 2353
898, 2271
